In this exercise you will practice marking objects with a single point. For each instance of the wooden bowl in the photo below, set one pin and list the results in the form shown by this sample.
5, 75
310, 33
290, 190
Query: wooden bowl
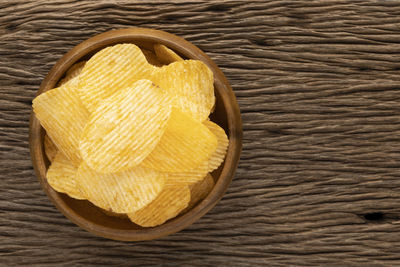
226, 114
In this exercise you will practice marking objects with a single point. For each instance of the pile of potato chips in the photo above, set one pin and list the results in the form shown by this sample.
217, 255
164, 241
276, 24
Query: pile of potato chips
129, 131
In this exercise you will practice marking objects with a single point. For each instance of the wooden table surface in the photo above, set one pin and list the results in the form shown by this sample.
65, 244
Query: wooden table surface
318, 84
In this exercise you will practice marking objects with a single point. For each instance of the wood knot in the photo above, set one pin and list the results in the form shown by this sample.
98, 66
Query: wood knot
374, 216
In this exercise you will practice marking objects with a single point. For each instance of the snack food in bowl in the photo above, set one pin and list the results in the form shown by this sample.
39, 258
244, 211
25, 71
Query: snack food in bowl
133, 128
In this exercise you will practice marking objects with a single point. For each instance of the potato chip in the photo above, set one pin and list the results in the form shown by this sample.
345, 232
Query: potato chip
169, 203
114, 214
212, 108
50, 148
190, 84
110, 70
120, 192
61, 176
166, 55
72, 74
199, 190
218, 156
125, 128
197, 174
151, 58
190, 176
185, 144
63, 116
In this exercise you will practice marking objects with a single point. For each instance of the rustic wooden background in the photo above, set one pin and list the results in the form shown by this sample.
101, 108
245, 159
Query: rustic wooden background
318, 83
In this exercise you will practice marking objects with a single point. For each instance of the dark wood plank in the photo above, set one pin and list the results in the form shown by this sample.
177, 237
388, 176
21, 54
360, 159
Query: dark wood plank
318, 83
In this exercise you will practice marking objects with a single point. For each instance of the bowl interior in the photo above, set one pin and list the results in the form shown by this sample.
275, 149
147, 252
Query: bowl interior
90, 217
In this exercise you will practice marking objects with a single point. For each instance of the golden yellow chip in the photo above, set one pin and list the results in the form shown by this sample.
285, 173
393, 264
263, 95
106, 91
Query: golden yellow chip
185, 144
120, 192
199, 190
72, 74
197, 174
114, 214
63, 116
151, 58
50, 148
190, 176
169, 203
218, 156
213, 108
61, 176
110, 70
191, 85
166, 55
125, 128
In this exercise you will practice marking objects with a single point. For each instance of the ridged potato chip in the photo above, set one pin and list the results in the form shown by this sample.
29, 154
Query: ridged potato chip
199, 190
190, 176
166, 55
120, 192
61, 176
191, 85
72, 74
110, 70
218, 156
151, 58
63, 116
114, 214
213, 162
50, 148
169, 203
184, 145
125, 128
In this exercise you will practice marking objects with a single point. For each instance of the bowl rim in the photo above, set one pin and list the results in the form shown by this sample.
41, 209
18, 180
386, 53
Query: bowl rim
188, 50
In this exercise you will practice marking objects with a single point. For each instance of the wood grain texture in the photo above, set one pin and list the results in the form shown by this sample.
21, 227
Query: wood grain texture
318, 83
